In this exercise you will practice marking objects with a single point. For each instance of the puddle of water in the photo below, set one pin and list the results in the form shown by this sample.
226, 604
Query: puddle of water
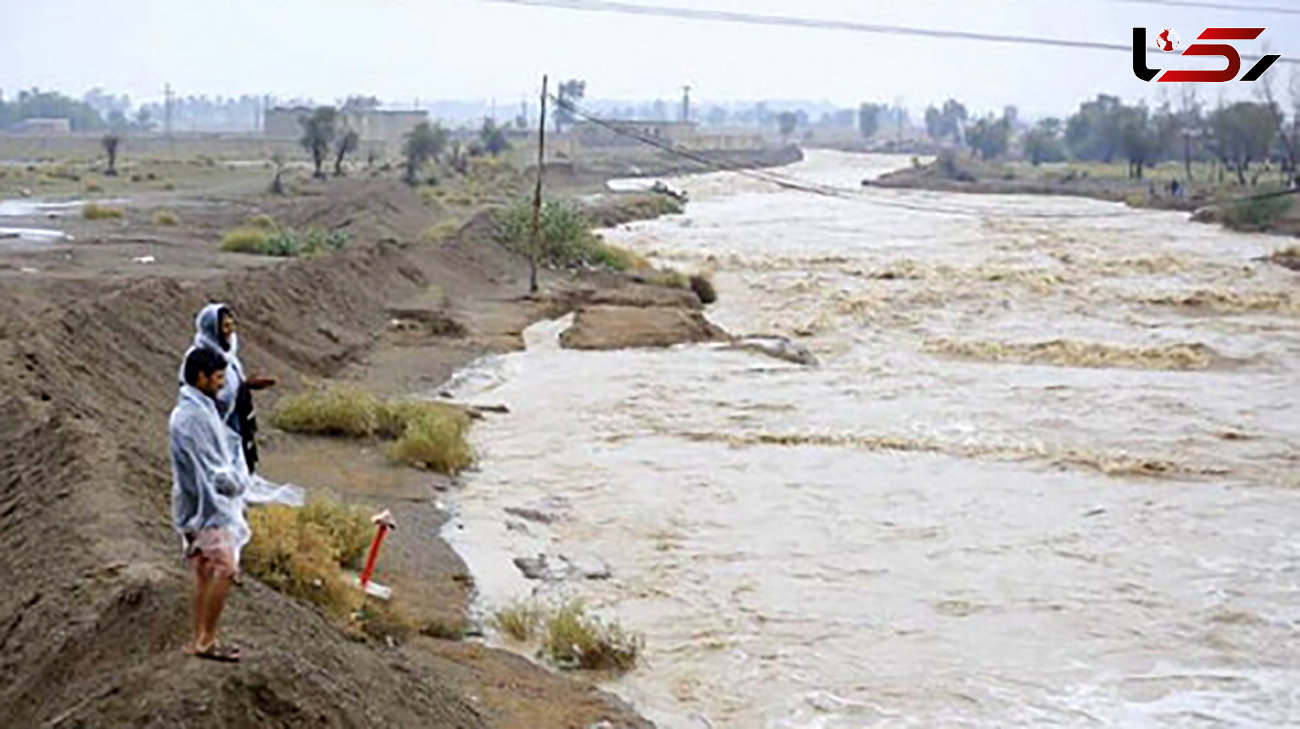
46, 208
33, 235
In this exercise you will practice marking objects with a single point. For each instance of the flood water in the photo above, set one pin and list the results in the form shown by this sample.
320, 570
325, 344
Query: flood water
1046, 474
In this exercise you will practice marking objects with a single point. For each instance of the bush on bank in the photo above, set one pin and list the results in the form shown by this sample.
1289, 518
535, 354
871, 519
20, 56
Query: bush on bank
425, 434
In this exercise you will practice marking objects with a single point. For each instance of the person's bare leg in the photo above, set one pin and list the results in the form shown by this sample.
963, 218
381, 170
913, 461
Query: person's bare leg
218, 588
201, 587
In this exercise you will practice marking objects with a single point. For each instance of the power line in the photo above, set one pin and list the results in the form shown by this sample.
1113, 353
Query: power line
727, 16
1215, 6
790, 182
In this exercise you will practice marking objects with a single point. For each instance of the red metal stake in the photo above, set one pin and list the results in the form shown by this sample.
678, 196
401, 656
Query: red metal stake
384, 522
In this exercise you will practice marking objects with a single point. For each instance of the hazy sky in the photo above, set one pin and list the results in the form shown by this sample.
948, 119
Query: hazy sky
474, 49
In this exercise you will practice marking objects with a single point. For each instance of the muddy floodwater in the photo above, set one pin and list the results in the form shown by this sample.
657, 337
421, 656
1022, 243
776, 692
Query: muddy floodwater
1046, 473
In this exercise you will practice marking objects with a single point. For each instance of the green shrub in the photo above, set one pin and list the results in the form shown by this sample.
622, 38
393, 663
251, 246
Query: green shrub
565, 234
166, 218
283, 242
95, 211
573, 639
316, 240
1255, 214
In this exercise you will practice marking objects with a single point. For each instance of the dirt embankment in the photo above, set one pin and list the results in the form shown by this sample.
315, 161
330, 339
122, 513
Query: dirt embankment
591, 171
931, 176
1247, 209
96, 600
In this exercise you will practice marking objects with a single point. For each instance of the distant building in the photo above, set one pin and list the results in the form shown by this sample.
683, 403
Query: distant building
44, 127
372, 125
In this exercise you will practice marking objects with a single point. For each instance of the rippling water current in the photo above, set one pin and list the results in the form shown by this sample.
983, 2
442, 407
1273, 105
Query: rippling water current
1046, 473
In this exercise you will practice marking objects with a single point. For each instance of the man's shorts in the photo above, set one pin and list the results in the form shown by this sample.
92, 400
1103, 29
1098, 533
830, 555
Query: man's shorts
212, 554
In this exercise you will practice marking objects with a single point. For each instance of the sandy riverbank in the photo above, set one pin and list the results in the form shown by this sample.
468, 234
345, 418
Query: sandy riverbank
92, 326
1205, 199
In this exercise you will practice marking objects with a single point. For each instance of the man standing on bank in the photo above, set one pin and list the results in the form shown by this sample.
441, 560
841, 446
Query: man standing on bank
207, 486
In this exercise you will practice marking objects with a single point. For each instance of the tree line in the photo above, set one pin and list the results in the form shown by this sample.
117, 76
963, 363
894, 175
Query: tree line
1243, 138
328, 136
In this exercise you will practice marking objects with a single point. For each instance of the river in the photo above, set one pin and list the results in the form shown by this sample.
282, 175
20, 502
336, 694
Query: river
1046, 473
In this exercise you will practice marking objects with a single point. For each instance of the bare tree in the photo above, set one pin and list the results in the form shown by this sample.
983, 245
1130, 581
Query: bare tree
1191, 123
277, 183
346, 144
1265, 89
111, 142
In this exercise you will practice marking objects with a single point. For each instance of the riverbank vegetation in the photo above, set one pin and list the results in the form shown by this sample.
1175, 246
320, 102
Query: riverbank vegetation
422, 434
307, 552
283, 242
1180, 155
569, 636
566, 238
301, 552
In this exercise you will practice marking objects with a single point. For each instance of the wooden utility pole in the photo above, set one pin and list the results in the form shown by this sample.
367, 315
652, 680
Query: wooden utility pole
534, 247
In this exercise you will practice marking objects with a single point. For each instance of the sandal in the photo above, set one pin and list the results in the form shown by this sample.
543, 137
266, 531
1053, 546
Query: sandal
219, 653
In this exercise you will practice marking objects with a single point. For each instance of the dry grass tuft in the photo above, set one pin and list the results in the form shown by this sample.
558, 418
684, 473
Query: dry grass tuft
330, 410
426, 434
669, 278
166, 218
519, 620
443, 230
95, 211
293, 555
244, 240
432, 436
384, 621
263, 222
572, 638
446, 629
349, 528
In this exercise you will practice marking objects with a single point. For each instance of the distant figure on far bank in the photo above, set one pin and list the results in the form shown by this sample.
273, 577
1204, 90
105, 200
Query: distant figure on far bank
207, 489
215, 330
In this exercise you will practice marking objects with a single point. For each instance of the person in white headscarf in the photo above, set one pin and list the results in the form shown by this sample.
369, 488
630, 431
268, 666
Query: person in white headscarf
215, 329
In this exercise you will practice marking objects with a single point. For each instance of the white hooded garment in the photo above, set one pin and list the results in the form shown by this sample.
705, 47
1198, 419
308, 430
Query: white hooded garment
207, 335
208, 485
